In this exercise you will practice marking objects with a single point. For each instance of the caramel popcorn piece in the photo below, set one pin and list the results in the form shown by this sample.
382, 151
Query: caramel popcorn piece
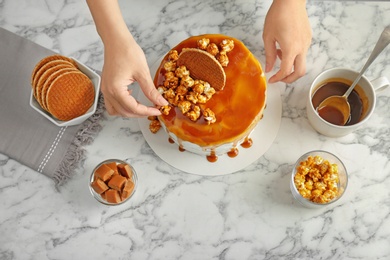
194, 114
201, 99
187, 82
192, 97
198, 88
173, 55
227, 45
203, 43
212, 48
182, 72
172, 82
209, 116
170, 93
223, 58
208, 91
184, 106
154, 126
181, 90
165, 109
170, 66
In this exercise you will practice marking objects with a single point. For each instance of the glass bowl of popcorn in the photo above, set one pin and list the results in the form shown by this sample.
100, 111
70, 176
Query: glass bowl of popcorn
318, 179
113, 182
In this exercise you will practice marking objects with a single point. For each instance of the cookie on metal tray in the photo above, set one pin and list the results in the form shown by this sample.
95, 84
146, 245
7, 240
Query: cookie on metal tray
70, 95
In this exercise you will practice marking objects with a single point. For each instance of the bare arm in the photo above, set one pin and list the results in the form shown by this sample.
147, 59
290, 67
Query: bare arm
124, 63
288, 25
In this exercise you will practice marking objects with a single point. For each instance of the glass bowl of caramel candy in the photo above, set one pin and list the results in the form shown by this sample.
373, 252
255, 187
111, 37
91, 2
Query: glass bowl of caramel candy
318, 179
113, 182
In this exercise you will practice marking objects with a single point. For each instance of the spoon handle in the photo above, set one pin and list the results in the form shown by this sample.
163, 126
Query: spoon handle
383, 41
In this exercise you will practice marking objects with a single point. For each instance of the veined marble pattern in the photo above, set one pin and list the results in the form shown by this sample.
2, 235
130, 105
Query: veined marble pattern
246, 215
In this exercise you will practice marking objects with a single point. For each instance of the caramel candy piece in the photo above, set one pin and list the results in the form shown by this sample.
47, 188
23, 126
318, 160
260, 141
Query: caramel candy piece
104, 172
203, 66
117, 182
113, 166
125, 170
127, 190
99, 186
112, 196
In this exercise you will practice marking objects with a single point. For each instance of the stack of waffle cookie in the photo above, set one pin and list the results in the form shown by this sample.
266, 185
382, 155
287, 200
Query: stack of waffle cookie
61, 88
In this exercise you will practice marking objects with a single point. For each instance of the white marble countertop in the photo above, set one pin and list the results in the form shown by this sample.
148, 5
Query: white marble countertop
250, 214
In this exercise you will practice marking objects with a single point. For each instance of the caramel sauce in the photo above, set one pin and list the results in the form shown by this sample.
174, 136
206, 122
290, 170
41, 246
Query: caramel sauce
181, 149
332, 115
248, 142
170, 140
238, 107
212, 157
357, 100
233, 152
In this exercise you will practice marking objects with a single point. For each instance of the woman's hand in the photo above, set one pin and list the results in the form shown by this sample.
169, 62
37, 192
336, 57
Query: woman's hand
124, 64
287, 26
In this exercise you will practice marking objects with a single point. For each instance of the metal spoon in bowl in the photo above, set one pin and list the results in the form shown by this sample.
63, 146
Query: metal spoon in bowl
340, 103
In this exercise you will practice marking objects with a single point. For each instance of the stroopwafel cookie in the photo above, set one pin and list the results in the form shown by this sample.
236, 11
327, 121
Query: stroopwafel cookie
50, 64
46, 81
48, 59
70, 95
45, 72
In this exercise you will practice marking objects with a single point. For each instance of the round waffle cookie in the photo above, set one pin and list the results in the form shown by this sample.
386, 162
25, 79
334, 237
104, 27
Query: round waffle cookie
47, 59
44, 68
40, 82
204, 66
47, 79
70, 95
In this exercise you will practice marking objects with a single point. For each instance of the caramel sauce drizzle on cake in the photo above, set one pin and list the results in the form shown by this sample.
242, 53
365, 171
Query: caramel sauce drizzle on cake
235, 108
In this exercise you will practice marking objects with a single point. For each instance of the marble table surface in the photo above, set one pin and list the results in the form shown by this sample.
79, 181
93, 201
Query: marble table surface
249, 214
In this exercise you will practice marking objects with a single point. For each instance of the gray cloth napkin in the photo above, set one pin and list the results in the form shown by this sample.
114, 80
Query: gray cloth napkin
25, 135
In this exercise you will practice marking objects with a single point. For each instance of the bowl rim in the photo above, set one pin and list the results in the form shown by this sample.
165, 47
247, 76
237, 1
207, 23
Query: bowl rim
294, 190
98, 197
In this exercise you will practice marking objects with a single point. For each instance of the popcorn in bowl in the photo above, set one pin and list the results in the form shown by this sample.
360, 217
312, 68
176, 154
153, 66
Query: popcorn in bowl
319, 178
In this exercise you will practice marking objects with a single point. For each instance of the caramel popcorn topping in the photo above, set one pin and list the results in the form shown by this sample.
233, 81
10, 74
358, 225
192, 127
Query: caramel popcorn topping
184, 92
317, 179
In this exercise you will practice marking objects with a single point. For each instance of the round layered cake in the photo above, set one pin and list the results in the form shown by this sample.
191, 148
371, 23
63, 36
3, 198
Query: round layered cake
202, 117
